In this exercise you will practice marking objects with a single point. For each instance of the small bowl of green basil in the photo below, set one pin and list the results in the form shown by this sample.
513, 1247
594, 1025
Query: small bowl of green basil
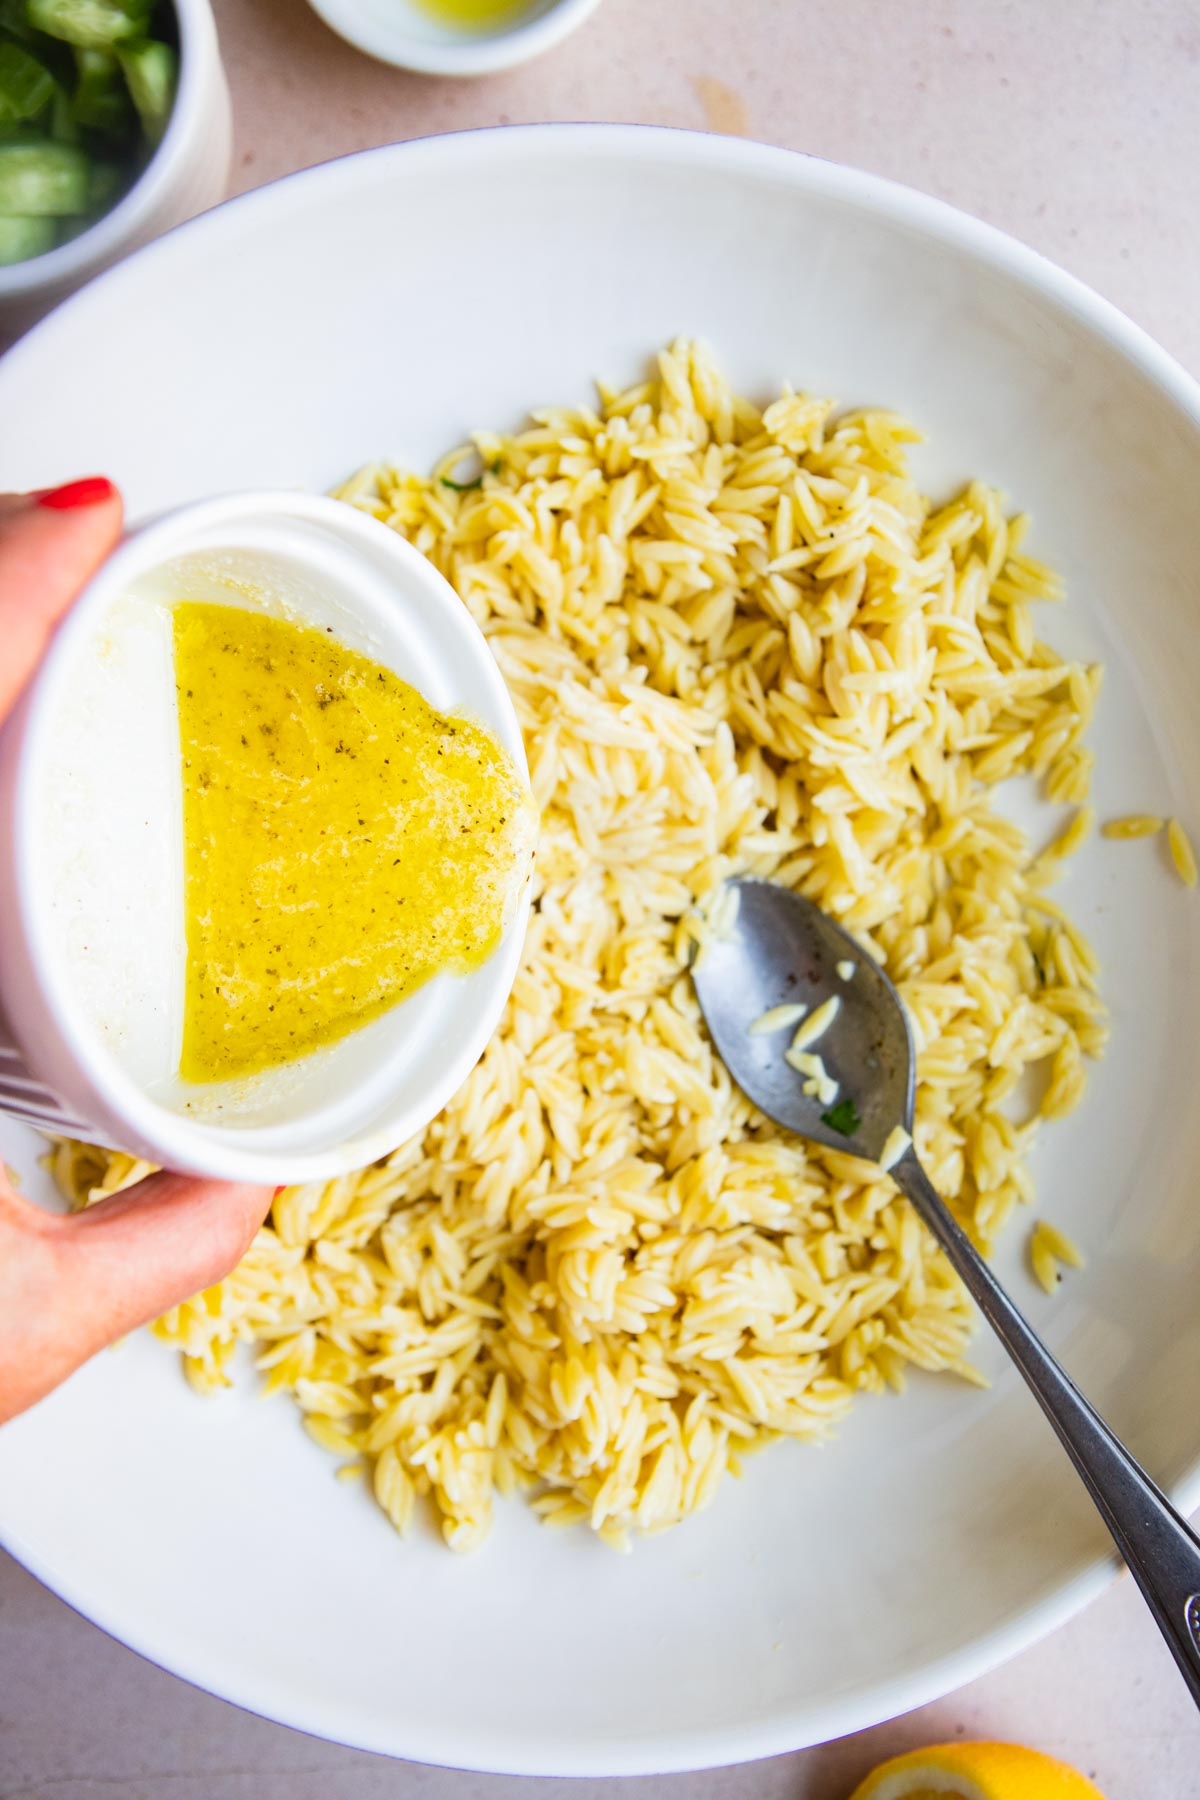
114, 125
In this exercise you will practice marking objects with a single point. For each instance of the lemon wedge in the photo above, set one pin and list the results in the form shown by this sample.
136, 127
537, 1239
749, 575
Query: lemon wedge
975, 1772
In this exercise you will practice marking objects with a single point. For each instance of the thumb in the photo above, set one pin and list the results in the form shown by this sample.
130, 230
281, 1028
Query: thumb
69, 1286
51, 544
131, 1257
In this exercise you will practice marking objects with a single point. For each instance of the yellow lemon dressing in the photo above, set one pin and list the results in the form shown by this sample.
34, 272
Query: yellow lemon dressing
343, 841
475, 15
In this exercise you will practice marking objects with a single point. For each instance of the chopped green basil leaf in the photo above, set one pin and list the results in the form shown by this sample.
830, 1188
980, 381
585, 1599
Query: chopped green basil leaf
842, 1118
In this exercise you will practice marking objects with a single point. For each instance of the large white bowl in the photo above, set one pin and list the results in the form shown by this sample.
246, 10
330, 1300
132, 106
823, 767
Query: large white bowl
387, 304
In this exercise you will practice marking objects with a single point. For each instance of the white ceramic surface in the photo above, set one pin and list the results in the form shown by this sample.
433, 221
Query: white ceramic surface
939, 1533
410, 36
92, 947
187, 172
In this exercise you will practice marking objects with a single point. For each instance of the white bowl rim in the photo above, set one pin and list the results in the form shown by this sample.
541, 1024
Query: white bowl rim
928, 217
482, 55
113, 228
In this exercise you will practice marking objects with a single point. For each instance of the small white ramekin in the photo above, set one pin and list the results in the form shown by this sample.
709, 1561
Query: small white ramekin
187, 173
402, 33
67, 1070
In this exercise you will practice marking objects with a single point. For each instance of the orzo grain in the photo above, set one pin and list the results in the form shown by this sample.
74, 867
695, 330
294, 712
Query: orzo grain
739, 641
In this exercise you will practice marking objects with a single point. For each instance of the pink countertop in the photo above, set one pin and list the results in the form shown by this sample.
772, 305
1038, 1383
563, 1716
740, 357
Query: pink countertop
1074, 124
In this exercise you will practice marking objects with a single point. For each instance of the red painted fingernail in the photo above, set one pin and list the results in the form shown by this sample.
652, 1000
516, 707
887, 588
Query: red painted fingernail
88, 492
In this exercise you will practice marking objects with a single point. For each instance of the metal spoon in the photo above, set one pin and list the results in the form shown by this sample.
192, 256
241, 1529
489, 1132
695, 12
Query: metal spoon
783, 948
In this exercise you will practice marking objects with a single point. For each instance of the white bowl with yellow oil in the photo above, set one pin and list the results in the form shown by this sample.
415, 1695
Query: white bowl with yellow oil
94, 920
454, 37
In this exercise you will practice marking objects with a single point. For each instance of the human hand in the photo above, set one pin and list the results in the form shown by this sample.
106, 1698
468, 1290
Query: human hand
69, 1286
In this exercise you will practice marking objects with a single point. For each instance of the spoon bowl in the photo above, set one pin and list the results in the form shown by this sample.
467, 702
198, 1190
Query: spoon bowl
785, 952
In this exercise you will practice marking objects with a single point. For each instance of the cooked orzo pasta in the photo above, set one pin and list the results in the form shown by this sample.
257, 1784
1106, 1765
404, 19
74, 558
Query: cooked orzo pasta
738, 640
